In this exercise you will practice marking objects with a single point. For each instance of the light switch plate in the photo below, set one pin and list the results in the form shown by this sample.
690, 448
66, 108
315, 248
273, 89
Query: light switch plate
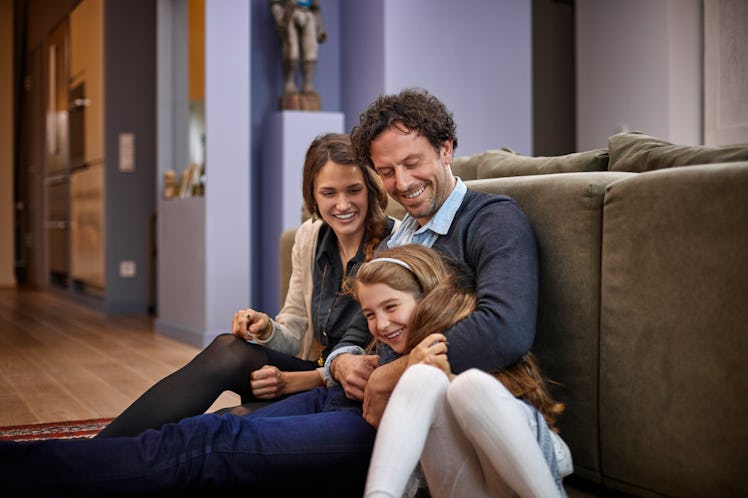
127, 269
127, 152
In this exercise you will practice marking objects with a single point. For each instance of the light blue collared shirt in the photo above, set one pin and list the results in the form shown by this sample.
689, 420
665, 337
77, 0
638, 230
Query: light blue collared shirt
410, 232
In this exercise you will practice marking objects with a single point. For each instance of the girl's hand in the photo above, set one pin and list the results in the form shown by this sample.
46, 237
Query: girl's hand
441, 362
432, 351
268, 382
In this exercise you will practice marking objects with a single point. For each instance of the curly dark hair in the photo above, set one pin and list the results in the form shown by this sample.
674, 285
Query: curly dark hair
413, 109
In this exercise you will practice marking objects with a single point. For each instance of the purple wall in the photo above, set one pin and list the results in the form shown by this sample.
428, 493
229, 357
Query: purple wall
474, 55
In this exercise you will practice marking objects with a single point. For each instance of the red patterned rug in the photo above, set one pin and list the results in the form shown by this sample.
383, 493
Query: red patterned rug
54, 430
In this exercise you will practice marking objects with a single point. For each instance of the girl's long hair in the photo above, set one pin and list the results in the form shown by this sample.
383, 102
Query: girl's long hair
446, 295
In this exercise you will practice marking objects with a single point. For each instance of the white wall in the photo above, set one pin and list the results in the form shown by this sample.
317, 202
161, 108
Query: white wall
639, 68
7, 239
227, 191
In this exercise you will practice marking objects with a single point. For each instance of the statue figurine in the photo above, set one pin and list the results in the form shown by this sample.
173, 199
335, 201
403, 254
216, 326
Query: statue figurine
299, 26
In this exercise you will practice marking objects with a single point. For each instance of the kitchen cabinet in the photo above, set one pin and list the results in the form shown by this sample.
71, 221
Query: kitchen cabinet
86, 134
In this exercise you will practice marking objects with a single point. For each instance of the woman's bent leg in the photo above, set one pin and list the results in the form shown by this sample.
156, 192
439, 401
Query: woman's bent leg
328, 450
497, 424
225, 364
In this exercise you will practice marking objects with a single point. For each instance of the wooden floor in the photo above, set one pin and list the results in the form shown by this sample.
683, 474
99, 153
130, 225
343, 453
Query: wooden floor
60, 360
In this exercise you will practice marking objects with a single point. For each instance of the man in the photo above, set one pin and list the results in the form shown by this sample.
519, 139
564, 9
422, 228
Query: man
409, 139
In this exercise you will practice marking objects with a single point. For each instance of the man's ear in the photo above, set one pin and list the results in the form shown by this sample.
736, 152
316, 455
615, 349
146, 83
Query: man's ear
445, 152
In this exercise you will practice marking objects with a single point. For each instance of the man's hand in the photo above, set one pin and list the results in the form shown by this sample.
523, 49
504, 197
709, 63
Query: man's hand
268, 382
353, 371
379, 388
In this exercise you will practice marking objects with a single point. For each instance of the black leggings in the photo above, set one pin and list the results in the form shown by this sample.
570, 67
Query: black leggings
225, 364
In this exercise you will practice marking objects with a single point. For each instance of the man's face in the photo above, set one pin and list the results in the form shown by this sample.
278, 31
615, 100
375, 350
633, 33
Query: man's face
414, 174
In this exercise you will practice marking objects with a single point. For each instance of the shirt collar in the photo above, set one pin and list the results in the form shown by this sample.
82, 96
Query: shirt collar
328, 243
443, 218
328, 247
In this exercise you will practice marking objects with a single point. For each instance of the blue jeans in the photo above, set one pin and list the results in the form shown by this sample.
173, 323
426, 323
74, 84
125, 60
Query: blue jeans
302, 443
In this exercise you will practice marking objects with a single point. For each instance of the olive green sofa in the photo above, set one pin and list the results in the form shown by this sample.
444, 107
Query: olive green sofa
643, 311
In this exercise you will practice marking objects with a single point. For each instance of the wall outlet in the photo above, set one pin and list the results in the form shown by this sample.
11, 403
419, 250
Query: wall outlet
127, 269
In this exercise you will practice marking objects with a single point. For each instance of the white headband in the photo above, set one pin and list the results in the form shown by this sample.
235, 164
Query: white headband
396, 261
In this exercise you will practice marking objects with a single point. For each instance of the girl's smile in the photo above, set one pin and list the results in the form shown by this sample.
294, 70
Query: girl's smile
388, 312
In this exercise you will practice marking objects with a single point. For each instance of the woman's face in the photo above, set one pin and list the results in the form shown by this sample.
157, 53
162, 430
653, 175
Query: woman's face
342, 199
388, 312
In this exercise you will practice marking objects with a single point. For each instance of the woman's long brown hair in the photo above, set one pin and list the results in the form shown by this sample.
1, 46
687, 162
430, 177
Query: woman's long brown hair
445, 299
337, 148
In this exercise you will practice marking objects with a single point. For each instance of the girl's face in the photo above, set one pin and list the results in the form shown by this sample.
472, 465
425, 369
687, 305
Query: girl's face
341, 197
388, 312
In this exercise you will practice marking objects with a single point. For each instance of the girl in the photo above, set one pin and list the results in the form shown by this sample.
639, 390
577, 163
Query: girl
478, 435
264, 359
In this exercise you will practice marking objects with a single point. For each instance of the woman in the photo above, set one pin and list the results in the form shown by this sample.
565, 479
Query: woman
265, 359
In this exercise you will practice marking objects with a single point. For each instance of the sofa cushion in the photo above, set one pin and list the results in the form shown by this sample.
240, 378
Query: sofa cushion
673, 334
465, 167
499, 163
637, 152
565, 210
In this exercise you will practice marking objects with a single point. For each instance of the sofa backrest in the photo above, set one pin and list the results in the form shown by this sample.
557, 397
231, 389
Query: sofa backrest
630, 151
674, 331
566, 213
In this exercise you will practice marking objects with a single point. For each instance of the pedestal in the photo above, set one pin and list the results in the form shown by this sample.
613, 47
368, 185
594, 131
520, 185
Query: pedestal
288, 136
300, 101
181, 270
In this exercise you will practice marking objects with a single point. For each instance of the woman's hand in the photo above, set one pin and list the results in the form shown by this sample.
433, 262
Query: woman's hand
432, 351
268, 382
251, 325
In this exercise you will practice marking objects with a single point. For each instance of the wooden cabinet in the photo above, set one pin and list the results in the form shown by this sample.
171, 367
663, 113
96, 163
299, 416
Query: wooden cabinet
87, 73
87, 223
86, 125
